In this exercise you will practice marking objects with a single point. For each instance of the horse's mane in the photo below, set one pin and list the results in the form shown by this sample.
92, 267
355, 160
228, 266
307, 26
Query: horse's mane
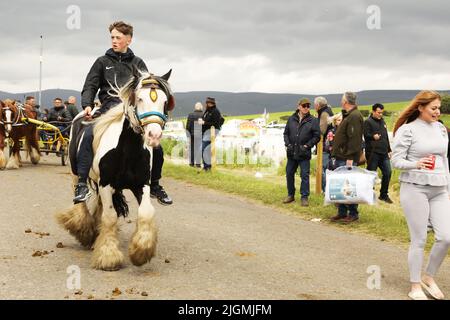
116, 113
103, 122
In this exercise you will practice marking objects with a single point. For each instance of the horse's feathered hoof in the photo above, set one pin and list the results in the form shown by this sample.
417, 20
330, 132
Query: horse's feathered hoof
143, 245
106, 255
2, 160
12, 163
35, 156
79, 223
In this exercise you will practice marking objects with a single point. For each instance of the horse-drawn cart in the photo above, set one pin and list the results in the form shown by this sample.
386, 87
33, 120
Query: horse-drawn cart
53, 137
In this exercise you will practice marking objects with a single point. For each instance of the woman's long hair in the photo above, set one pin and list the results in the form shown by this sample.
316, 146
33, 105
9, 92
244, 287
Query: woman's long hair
412, 112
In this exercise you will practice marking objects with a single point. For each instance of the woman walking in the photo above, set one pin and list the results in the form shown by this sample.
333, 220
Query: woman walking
420, 150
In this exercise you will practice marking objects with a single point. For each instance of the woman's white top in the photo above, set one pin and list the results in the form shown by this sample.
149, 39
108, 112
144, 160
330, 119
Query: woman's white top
417, 140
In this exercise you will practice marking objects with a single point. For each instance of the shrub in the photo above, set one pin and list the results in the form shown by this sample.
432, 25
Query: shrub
445, 104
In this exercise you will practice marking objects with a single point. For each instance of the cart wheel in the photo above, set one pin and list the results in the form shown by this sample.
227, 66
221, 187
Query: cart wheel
64, 155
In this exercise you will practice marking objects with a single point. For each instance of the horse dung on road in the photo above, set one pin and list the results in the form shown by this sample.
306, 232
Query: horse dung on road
123, 141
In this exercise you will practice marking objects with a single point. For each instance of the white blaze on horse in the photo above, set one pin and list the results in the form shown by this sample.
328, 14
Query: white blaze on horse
123, 141
13, 125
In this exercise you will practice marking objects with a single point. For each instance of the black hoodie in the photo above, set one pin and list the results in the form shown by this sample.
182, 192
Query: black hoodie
113, 67
374, 126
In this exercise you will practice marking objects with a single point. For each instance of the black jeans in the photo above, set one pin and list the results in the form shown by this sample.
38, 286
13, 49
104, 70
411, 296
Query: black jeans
291, 168
375, 161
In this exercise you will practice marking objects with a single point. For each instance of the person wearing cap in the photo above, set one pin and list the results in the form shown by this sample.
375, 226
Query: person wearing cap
194, 131
301, 133
211, 118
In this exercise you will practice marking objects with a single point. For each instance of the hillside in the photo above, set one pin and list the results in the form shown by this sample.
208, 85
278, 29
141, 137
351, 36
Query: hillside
236, 104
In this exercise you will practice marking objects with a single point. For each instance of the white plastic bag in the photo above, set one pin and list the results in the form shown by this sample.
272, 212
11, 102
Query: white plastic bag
350, 185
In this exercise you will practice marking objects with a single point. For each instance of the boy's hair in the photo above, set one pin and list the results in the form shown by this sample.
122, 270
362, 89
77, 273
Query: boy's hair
125, 28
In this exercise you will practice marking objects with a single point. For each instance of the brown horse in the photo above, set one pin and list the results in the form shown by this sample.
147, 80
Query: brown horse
15, 128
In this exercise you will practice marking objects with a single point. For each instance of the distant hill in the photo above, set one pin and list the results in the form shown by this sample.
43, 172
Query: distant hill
234, 104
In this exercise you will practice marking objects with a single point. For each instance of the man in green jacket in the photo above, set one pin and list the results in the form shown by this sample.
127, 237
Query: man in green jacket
347, 148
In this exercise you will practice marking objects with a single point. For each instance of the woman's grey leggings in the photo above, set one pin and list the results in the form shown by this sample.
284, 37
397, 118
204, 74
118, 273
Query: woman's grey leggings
422, 204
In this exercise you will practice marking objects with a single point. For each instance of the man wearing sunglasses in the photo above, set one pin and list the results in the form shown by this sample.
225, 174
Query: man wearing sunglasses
301, 133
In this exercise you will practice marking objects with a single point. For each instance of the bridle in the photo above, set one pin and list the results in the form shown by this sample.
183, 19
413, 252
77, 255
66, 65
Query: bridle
17, 121
154, 83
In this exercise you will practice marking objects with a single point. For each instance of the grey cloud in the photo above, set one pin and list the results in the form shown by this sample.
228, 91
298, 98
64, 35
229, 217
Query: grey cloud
292, 35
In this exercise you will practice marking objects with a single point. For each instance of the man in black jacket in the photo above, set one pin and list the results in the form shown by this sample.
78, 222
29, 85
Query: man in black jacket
211, 118
195, 135
301, 133
378, 149
116, 66
58, 112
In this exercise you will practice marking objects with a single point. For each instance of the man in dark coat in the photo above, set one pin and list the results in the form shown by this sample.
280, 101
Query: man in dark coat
347, 148
211, 118
195, 135
378, 149
71, 106
58, 112
301, 133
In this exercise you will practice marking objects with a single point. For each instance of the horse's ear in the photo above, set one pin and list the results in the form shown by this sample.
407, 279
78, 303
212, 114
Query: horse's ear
167, 75
171, 103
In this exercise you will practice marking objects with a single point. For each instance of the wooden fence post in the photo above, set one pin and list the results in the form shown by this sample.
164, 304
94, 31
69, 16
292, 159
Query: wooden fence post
213, 147
319, 161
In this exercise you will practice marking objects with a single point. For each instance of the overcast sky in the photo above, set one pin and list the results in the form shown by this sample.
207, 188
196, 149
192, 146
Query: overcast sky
264, 46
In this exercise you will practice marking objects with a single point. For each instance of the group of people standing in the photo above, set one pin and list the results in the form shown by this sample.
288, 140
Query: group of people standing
420, 149
199, 126
343, 145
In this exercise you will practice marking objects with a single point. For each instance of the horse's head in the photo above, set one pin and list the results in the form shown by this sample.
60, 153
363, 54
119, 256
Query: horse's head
9, 110
148, 101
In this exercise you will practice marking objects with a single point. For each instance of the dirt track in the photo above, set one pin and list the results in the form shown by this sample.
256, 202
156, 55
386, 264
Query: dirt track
211, 246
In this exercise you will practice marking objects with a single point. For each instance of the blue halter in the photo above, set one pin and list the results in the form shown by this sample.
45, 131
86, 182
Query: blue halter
153, 113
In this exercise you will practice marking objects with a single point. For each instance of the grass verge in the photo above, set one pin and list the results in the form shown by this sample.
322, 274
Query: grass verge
383, 221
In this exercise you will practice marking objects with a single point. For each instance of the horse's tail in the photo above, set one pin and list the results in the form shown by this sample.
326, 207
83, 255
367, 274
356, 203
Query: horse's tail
120, 203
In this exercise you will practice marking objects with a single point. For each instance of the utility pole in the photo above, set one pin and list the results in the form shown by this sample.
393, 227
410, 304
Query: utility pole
40, 71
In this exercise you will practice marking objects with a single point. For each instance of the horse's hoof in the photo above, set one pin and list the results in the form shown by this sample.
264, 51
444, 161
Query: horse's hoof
12, 165
80, 224
109, 261
143, 247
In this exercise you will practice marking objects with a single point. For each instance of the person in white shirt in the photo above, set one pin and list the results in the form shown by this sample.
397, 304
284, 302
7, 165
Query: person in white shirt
420, 151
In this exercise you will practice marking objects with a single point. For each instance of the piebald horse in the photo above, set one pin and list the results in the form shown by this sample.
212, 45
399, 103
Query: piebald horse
123, 141
13, 126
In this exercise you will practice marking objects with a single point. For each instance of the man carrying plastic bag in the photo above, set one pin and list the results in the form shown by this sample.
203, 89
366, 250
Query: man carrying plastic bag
347, 151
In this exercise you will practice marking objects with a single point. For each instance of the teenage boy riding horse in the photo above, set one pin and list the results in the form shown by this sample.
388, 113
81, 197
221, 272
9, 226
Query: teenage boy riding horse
113, 69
